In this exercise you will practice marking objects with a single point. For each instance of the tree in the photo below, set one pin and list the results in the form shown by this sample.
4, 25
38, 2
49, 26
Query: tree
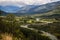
10, 17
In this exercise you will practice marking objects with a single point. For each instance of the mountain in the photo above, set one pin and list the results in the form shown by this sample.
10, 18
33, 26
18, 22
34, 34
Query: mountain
9, 8
30, 9
51, 14
3, 13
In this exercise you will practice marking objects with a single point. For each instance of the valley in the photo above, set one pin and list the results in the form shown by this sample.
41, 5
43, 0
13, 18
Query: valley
30, 22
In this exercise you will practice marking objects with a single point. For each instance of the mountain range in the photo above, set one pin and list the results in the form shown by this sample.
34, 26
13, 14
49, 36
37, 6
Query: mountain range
29, 9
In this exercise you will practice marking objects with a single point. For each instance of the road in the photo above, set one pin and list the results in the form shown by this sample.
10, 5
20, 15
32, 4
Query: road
52, 37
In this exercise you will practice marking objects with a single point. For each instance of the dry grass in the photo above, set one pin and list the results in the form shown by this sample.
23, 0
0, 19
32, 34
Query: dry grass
6, 36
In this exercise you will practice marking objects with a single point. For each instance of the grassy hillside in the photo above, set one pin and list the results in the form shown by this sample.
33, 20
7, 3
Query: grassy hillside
52, 12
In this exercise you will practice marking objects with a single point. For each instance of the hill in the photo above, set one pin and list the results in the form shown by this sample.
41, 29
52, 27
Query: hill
51, 14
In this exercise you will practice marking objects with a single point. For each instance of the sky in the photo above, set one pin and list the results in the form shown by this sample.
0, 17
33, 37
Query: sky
24, 2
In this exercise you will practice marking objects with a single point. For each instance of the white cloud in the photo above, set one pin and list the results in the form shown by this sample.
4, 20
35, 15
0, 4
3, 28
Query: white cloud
37, 2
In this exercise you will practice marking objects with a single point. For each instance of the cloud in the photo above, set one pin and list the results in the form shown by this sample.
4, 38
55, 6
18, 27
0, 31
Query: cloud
35, 2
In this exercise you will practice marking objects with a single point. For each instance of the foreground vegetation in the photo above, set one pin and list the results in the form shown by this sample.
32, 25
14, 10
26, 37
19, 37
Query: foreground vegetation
10, 27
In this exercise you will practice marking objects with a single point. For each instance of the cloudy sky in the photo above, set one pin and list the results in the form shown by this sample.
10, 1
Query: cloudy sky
23, 2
